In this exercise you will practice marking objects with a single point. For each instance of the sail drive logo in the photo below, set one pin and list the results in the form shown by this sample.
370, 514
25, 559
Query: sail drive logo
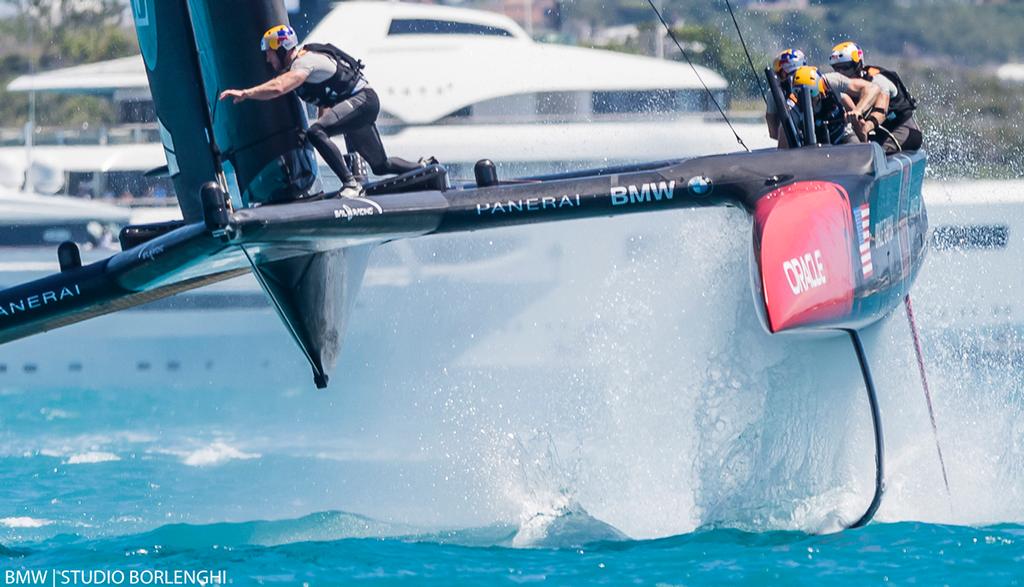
36, 301
643, 194
529, 204
805, 273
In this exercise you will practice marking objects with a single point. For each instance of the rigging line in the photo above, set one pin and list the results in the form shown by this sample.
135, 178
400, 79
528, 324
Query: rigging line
743, 42
697, 73
927, 391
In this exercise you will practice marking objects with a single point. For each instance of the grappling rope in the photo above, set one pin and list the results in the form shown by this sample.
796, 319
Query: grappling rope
927, 391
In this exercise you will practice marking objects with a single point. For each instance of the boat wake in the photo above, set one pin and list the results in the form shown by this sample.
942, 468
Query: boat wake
563, 525
566, 527
318, 527
682, 413
478, 556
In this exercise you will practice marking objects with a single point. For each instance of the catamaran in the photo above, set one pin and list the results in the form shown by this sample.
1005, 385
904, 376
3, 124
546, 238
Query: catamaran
252, 201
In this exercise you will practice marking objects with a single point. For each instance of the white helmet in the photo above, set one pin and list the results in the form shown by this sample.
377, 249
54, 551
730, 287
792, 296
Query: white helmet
281, 36
846, 55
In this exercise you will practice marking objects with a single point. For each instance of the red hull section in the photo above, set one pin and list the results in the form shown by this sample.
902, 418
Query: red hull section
803, 244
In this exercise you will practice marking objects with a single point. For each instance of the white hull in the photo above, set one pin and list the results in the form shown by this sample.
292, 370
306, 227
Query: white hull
518, 149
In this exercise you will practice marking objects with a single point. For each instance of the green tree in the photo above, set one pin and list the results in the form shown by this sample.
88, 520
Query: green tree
724, 54
48, 34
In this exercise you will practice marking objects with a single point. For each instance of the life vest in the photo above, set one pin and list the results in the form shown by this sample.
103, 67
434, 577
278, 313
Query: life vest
337, 88
830, 119
902, 107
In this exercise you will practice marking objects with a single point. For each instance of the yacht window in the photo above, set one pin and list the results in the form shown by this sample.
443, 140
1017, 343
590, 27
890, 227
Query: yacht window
555, 103
31, 235
136, 111
56, 235
462, 112
118, 184
649, 101
584, 106
424, 26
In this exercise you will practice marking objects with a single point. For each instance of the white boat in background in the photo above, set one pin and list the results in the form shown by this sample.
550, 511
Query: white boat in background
464, 84
35, 210
455, 83
34, 225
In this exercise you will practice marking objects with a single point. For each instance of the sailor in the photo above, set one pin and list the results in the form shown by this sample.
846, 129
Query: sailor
864, 95
325, 76
833, 110
890, 121
784, 65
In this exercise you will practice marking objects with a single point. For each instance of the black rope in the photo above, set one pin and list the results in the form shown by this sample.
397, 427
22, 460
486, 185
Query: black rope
697, 73
876, 424
924, 381
743, 42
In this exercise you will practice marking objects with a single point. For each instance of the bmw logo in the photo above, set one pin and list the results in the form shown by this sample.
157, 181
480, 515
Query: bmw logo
700, 185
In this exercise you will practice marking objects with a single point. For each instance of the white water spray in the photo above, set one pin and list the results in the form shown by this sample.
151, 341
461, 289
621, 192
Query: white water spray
649, 368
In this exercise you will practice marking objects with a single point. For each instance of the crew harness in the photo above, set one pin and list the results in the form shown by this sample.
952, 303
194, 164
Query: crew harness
341, 86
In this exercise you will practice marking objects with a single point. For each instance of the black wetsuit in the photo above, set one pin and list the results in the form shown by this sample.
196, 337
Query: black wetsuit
356, 119
352, 108
899, 131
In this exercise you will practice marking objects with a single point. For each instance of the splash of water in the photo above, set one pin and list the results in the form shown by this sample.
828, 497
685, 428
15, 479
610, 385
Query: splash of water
680, 412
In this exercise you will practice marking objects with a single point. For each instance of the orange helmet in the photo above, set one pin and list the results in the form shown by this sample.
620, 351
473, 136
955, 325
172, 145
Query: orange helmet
807, 76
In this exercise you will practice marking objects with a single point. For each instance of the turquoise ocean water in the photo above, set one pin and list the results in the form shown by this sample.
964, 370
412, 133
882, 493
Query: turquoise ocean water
121, 515
897, 554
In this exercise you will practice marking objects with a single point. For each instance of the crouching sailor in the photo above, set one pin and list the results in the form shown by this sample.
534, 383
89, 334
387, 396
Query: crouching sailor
833, 110
327, 77
891, 122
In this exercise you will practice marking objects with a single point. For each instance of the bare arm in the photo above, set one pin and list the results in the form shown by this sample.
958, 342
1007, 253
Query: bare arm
275, 88
847, 102
856, 122
867, 94
882, 103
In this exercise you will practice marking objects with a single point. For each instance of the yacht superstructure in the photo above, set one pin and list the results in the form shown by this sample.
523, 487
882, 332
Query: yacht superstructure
451, 81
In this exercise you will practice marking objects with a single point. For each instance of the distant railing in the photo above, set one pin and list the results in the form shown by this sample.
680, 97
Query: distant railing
121, 134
